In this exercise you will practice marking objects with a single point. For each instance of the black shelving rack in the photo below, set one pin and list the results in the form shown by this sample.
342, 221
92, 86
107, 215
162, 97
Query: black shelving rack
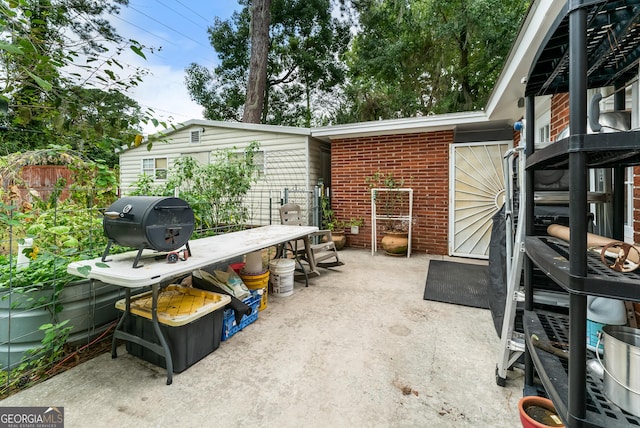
592, 44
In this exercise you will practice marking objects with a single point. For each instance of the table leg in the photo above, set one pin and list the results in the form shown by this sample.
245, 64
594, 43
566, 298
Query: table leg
156, 326
161, 349
127, 309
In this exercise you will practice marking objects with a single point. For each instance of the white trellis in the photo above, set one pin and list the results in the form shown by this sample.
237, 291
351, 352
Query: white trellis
407, 215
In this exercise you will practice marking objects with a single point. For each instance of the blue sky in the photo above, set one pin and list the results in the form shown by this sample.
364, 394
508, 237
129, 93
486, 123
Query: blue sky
177, 30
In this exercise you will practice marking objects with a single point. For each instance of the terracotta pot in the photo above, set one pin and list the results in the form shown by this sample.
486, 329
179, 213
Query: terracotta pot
339, 239
395, 243
545, 417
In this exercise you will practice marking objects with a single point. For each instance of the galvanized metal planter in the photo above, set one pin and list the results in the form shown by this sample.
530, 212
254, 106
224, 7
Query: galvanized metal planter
88, 305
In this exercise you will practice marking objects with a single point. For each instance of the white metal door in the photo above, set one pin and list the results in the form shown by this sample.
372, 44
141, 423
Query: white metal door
476, 193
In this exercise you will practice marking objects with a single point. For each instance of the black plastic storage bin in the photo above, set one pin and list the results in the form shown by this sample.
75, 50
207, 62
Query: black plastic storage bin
188, 343
192, 332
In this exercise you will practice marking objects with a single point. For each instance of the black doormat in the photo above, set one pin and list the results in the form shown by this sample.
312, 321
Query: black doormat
458, 283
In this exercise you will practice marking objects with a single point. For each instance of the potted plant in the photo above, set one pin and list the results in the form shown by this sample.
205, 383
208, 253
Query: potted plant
391, 204
355, 224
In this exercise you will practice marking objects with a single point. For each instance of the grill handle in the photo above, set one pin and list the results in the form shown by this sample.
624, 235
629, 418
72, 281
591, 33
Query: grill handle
114, 215
171, 207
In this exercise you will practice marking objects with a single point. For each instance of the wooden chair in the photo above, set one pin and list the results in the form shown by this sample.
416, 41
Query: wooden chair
322, 250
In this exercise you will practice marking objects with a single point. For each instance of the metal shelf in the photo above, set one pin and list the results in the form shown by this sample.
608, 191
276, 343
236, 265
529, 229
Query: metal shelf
577, 55
551, 255
553, 373
602, 151
607, 62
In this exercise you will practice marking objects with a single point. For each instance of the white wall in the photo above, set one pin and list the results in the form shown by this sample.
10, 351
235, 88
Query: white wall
292, 160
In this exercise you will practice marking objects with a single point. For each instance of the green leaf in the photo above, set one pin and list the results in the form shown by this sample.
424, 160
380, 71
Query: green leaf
138, 51
84, 271
70, 243
59, 230
41, 82
101, 265
11, 48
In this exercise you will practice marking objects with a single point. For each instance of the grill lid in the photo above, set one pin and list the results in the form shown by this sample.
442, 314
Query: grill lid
148, 222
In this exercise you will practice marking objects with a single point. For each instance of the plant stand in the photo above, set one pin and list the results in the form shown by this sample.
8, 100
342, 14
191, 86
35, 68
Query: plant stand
403, 217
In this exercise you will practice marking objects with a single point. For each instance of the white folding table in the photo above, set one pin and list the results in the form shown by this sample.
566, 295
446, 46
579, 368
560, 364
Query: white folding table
153, 271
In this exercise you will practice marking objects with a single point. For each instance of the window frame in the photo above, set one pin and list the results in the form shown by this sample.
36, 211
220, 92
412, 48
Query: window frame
153, 171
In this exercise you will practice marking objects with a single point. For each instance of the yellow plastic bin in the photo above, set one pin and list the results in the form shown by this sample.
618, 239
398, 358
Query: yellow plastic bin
258, 282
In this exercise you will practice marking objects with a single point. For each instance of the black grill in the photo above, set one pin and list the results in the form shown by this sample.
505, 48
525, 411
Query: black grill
148, 222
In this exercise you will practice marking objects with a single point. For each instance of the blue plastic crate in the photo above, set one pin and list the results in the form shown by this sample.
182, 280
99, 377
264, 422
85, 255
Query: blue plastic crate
229, 325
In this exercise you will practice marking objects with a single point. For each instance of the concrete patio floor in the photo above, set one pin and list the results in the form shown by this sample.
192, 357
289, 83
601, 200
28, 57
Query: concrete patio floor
358, 348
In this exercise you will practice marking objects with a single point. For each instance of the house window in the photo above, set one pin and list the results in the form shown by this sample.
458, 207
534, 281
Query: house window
544, 134
201, 157
543, 122
195, 136
259, 160
155, 167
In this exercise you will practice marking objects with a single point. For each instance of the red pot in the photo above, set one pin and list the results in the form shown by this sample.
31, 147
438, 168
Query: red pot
552, 419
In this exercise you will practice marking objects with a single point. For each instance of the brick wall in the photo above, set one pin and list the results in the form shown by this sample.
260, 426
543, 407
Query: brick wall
559, 114
421, 159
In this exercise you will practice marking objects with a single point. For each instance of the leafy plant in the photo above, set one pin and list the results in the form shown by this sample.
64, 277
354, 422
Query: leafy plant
36, 363
389, 201
355, 222
65, 226
215, 191
52, 345
329, 220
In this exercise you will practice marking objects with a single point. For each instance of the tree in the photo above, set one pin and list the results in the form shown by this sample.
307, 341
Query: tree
49, 49
303, 66
391, 64
420, 57
99, 120
257, 83
475, 37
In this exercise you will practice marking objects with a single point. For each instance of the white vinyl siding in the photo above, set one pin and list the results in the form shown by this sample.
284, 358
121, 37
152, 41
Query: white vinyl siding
290, 157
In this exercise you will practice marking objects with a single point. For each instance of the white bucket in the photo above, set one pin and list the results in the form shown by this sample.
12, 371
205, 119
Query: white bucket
23, 261
281, 276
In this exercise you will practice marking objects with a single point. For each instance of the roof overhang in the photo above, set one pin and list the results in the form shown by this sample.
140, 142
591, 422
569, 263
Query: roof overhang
439, 122
236, 125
